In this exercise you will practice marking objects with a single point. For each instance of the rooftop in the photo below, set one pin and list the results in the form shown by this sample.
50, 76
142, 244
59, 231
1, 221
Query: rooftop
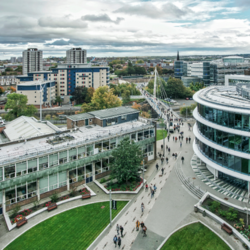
81, 136
104, 113
26, 127
33, 83
223, 96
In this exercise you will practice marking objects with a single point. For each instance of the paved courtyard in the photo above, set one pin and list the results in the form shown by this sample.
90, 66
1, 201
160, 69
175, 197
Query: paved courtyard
170, 208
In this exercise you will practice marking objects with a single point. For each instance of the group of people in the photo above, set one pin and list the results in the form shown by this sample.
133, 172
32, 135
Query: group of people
143, 227
117, 240
152, 191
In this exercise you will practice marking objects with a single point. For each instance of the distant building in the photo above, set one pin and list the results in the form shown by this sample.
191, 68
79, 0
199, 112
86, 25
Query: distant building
13, 59
190, 79
233, 80
69, 76
233, 60
32, 91
8, 80
20, 59
32, 60
76, 55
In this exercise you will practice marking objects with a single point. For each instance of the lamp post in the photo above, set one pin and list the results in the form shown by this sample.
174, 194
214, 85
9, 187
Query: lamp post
110, 207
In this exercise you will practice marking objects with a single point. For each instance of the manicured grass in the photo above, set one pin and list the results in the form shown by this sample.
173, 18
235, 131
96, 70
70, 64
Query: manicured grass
159, 134
73, 229
196, 237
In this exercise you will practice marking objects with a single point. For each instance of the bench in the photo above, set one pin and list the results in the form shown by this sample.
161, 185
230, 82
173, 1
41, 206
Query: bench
86, 196
226, 228
21, 222
52, 206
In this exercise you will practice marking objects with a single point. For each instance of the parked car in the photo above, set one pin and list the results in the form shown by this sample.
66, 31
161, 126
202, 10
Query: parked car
190, 98
187, 98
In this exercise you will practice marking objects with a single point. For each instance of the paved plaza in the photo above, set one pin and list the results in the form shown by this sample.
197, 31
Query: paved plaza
170, 208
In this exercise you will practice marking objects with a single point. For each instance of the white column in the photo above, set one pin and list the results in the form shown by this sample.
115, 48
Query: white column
4, 201
93, 171
38, 189
68, 186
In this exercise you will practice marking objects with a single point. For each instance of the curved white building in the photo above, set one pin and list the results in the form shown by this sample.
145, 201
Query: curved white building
222, 133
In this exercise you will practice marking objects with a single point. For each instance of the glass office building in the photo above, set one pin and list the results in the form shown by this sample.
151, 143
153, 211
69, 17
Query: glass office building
222, 133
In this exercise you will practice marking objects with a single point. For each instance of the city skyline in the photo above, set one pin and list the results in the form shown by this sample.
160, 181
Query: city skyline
125, 28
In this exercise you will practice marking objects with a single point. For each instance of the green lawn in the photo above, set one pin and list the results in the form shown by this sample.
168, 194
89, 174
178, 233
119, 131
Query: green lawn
196, 237
73, 229
159, 134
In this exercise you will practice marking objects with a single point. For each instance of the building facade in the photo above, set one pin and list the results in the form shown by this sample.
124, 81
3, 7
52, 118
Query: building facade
13, 59
76, 55
233, 59
32, 60
36, 168
69, 76
222, 133
233, 80
38, 92
8, 80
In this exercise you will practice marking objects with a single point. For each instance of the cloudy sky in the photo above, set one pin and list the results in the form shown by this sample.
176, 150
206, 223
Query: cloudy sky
125, 27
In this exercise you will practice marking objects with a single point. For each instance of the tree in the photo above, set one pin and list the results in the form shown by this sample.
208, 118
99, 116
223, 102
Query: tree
79, 94
30, 110
58, 100
175, 88
90, 94
12, 89
127, 161
1, 90
18, 105
104, 98
88, 107
47, 117
8, 69
126, 96
136, 106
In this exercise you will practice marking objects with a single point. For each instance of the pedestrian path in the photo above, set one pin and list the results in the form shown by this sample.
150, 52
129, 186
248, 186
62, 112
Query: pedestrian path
219, 185
134, 212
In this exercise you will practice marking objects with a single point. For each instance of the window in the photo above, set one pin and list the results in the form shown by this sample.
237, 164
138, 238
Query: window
124, 117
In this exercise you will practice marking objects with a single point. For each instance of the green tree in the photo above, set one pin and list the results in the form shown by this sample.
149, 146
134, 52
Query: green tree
58, 100
79, 94
90, 94
17, 103
127, 161
88, 107
175, 88
8, 69
30, 110
126, 96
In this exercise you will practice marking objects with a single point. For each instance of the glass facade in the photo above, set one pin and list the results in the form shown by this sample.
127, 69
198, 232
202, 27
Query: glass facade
227, 140
178, 69
225, 118
229, 161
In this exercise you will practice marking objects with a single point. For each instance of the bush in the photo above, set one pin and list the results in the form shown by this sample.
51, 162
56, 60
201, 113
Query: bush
215, 205
231, 215
222, 213
47, 117
16, 210
73, 192
54, 198
102, 180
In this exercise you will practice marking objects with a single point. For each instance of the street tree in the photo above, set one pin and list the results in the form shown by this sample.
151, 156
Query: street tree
127, 160
126, 96
90, 94
175, 88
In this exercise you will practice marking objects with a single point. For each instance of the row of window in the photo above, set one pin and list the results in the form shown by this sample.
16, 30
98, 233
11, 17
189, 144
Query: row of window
226, 160
225, 118
236, 142
37, 164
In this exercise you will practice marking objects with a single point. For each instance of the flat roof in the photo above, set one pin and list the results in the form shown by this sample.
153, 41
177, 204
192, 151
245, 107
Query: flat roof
82, 136
104, 113
34, 83
26, 127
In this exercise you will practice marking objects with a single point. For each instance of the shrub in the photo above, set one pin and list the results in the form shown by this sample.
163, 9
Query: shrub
222, 213
231, 216
54, 198
16, 210
102, 180
73, 192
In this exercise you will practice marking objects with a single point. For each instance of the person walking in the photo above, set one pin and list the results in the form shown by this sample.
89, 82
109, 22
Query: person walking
142, 207
179, 137
155, 187
168, 150
117, 229
189, 139
168, 138
157, 166
167, 160
161, 146
180, 144
142, 225
162, 170
166, 147
173, 138
144, 231
119, 242
182, 159
146, 187
186, 140
137, 225
115, 240
160, 155
121, 230
152, 193
175, 156
162, 160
